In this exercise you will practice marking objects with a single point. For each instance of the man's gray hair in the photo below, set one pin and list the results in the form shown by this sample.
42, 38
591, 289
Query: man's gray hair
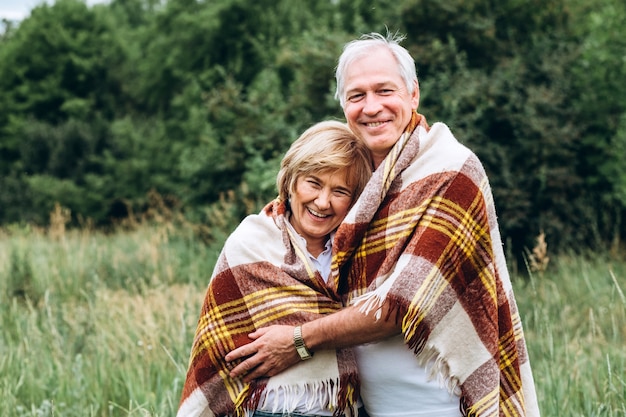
360, 47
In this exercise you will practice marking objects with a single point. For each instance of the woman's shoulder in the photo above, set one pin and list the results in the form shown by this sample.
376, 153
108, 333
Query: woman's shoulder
258, 237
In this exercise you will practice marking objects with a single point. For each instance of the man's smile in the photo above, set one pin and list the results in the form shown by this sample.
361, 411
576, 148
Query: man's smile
374, 124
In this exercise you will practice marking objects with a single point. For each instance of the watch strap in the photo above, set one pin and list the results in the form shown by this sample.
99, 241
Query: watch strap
298, 341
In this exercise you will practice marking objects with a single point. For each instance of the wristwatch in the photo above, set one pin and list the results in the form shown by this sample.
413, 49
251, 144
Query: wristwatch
300, 346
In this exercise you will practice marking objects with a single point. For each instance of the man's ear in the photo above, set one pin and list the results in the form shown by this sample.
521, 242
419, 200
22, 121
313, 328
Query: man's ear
415, 98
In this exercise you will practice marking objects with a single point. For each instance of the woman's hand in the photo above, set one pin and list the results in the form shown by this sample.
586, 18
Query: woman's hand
271, 352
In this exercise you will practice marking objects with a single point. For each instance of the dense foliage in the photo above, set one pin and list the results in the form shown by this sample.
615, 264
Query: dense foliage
102, 107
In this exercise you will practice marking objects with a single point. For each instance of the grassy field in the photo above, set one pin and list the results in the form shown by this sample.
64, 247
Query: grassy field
101, 325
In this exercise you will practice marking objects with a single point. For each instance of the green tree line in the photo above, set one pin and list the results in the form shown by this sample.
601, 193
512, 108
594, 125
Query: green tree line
103, 106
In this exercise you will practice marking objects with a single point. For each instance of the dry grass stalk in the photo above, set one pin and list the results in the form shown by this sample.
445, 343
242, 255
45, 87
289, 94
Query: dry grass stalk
59, 217
538, 259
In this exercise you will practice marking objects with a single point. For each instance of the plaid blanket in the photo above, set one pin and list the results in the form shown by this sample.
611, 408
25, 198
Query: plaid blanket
263, 277
423, 236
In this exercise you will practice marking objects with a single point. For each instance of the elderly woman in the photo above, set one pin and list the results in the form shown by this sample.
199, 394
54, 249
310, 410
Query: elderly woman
273, 270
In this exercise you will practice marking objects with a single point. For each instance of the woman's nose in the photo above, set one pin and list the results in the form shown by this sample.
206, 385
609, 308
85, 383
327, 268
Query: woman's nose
323, 199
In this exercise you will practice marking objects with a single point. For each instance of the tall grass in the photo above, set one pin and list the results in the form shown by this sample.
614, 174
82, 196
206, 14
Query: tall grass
575, 324
101, 325
97, 325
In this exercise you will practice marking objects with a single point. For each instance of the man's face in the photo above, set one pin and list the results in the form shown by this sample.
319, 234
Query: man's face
378, 105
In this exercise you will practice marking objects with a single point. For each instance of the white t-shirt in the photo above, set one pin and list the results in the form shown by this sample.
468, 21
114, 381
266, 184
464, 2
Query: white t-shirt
393, 384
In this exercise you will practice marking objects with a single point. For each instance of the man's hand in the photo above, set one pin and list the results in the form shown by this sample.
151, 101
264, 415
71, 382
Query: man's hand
271, 352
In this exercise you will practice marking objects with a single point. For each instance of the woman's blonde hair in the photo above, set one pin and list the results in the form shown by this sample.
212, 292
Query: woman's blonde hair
325, 147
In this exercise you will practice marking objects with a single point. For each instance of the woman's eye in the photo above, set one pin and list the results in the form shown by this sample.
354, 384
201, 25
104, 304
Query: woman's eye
343, 193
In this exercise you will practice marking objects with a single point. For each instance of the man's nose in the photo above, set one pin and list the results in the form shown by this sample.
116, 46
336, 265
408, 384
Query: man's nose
372, 104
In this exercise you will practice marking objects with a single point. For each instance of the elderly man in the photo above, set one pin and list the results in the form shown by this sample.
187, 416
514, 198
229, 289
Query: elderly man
419, 262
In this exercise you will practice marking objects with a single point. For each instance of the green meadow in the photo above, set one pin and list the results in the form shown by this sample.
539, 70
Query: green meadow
95, 324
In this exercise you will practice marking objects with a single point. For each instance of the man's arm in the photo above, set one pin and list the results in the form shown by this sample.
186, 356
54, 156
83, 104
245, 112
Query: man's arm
273, 349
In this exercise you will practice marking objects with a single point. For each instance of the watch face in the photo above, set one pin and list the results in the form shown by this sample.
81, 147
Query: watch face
303, 352
299, 343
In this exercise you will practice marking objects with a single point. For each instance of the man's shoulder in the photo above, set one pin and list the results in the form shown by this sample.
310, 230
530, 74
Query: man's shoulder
440, 132
445, 142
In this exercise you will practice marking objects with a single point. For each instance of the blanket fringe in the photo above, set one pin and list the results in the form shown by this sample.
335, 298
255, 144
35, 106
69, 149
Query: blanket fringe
249, 397
338, 395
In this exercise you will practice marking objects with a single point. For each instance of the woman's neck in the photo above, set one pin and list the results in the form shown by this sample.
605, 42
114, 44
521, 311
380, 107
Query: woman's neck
317, 246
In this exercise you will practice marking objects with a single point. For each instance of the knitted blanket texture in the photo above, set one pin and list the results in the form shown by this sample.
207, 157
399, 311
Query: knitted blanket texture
424, 237
263, 277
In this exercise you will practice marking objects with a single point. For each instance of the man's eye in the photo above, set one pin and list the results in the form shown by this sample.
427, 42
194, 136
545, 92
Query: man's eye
355, 97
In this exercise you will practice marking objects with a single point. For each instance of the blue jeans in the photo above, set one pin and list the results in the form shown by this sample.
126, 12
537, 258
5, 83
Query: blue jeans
257, 413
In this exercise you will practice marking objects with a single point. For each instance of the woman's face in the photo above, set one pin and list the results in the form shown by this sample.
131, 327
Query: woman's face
319, 204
